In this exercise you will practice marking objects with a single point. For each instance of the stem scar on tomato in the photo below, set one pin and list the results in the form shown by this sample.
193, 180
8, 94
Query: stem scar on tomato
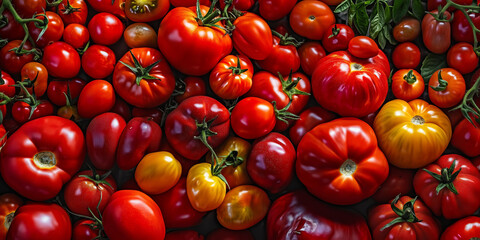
45, 159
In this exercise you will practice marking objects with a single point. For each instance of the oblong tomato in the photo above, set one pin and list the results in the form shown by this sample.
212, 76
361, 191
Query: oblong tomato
157, 172
252, 36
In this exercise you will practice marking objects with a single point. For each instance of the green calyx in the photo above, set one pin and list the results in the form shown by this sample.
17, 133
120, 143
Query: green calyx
446, 178
210, 19
410, 77
442, 84
407, 214
141, 73
283, 114
289, 86
287, 39
238, 69
335, 31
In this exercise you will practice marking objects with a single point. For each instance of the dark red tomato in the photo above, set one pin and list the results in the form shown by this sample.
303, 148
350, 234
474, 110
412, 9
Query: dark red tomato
121, 108
298, 215
463, 229
283, 58
61, 60
436, 34
446, 87
406, 55
311, 19
363, 47
462, 57
433, 4
407, 84
73, 11
140, 35
21, 111
12, 30
337, 37
226, 234
271, 162
176, 208
154, 113
53, 33
104, 126
399, 181
76, 35
184, 235
274, 10
466, 138
309, 119
98, 61
57, 88
461, 29
252, 36
44, 221
12, 63
242, 5
83, 229
5, 84
114, 7
310, 53
127, 205
88, 190
189, 3
194, 86
105, 28
407, 30
96, 97
146, 11
27, 8
253, 117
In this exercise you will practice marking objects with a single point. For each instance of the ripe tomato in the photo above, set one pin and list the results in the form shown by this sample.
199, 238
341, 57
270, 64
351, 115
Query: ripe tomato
461, 29
252, 36
274, 10
231, 77
407, 30
466, 138
73, 11
105, 28
337, 37
205, 189
9, 202
12, 63
310, 53
76, 35
35, 71
89, 190
462, 58
98, 61
143, 78
434, 4
194, 86
131, 214
22, 111
446, 87
5, 84
242, 5
27, 8
399, 181
363, 47
465, 228
283, 58
56, 90
421, 128
140, 35
53, 33
407, 84
253, 117
406, 55
243, 207
96, 98
11, 29
37, 162
61, 60
84, 229
436, 35
157, 172
311, 19
146, 11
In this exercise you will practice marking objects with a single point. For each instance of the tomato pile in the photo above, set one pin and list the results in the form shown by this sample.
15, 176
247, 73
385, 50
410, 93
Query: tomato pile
240, 119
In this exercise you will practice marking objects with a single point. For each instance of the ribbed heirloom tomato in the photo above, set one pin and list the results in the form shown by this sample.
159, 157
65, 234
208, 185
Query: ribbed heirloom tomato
231, 77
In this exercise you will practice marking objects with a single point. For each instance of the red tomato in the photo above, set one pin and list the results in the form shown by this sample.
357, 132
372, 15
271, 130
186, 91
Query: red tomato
56, 90
9, 202
476, 162
12, 63
194, 86
399, 181
88, 190
284, 56
363, 47
348, 146
5, 84
311, 19
242, 5
27, 8
146, 11
182, 33
463, 229
407, 30
44, 221
83, 229
466, 138
61, 60
231, 77
310, 53
274, 10
11, 29
96, 98
461, 29
37, 161
271, 162
309, 119
104, 126
105, 28
143, 78
184, 235
298, 215
407, 84
433, 4
53, 33
337, 37
22, 111
406, 55
462, 58
98, 61
73, 11
76, 35
111, 6
253, 117
446, 87
252, 36
436, 35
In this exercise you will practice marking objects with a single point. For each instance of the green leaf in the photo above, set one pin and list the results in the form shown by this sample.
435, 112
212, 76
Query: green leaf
418, 9
432, 63
351, 14
377, 22
400, 9
382, 41
387, 30
388, 13
361, 20
343, 6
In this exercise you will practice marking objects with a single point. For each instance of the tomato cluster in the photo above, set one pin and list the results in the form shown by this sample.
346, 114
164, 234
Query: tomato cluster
287, 119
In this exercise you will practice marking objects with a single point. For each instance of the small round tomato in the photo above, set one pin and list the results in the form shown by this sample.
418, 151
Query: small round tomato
105, 28
27, 8
10, 30
284, 56
446, 87
243, 207
337, 37
462, 58
242, 5
12, 63
363, 47
35, 71
96, 97
406, 55
98, 61
231, 77
84, 229
407, 84
146, 11
6, 83
140, 35
157, 172
61, 60
407, 30
76, 35
58, 88
194, 86
53, 33
73, 11
310, 53
274, 10
205, 189
252, 118
22, 111
311, 19
9, 202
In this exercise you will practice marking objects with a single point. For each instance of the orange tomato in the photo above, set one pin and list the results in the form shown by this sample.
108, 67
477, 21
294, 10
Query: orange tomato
33, 70
407, 84
157, 172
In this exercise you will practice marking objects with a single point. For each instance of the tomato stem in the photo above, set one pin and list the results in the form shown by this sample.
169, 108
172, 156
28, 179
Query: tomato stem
287, 40
238, 69
463, 9
407, 214
442, 84
446, 178
410, 77
283, 114
141, 73
468, 105
289, 86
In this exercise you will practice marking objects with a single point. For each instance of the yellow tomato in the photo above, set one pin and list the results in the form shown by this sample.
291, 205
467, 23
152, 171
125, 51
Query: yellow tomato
243, 207
412, 134
158, 172
205, 189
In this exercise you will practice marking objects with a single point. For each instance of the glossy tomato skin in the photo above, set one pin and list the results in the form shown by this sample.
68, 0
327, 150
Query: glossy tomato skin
76, 35
193, 49
32, 71
114, 7
311, 19
176, 208
12, 63
252, 118
126, 205
6, 87
98, 61
10, 30
53, 33
463, 229
445, 202
399, 181
61, 60
79, 15
27, 8
194, 86
335, 79
145, 93
140, 35
461, 29
9, 202
104, 126
309, 118
453, 92
274, 10
184, 235
205, 190
462, 57
363, 47
82, 230
157, 172
56, 88
271, 162
21, 111
407, 30
436, 35
337, 37
299, 212
282, 59
105, 28
252, 36
225, 79
55, 225
346, 144
466, 138
148, 11
406, 55
407, 84
310, 53
97, 97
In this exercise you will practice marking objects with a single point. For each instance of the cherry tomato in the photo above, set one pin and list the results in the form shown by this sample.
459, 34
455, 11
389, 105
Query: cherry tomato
98, 61
27, 8
252, 36
58, 88
252, 118
84, 229
146, 11
311, 19
463, 229
363, 47
76, 35
407, 30
61, 60
12, 63
446, 87
11, 29
461, 29
105, 28
462, 58
53, 33
309, 119
110, 6
466, 138
5, 85
242, 5
140, 35
284, 56
310, 53
406, 55
21, 111
96, 97
337, 37
407, 84
9, 202
205, 190
231, 77
73, 11
35, 71
436, 35
121, 108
